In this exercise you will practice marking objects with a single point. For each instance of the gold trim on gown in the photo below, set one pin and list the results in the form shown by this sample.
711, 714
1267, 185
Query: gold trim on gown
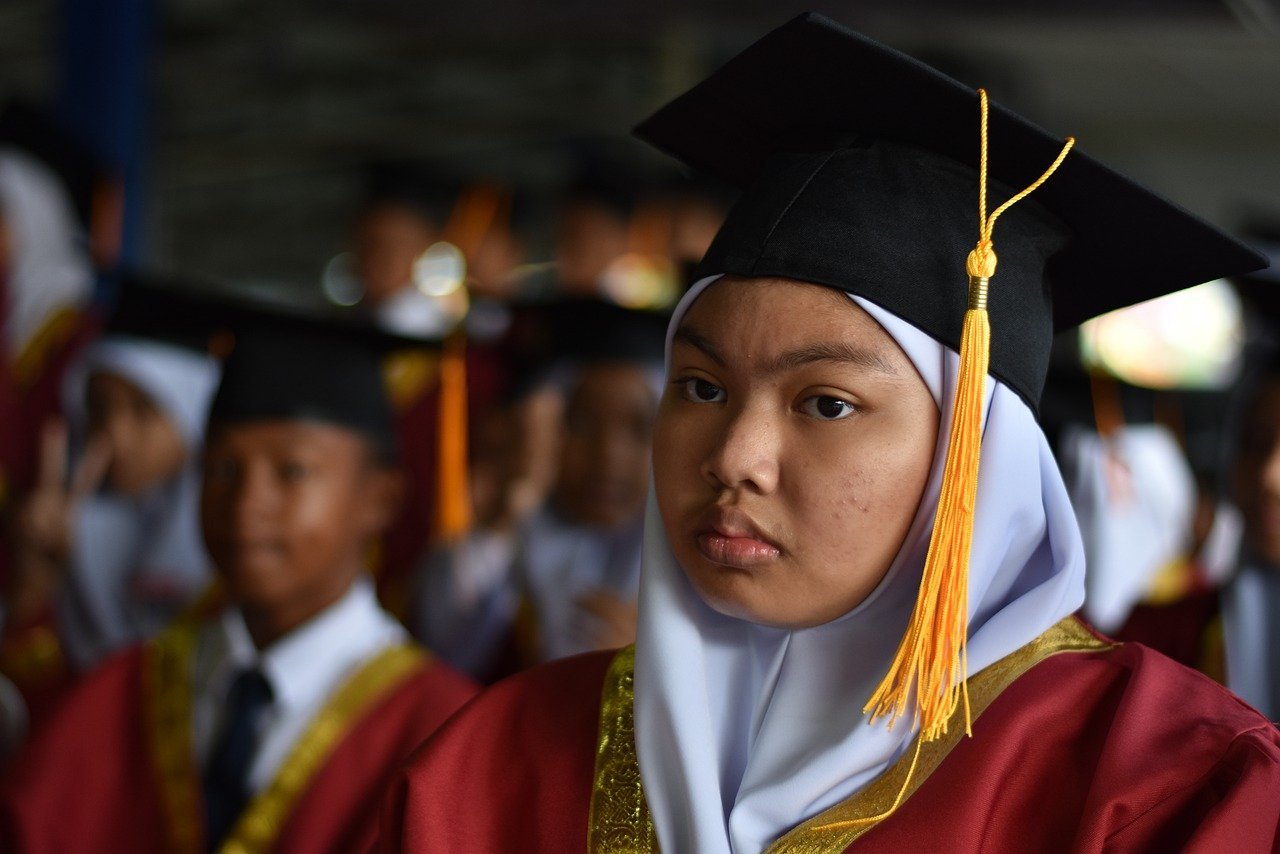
170, 658
620, 822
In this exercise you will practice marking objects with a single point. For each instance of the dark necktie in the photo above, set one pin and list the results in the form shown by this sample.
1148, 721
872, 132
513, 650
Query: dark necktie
226, 784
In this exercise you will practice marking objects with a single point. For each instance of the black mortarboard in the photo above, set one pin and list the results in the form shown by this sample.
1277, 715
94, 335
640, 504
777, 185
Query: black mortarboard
589, 331
868, 171
859, 166
610, 176
292, 362
157, 308
419, 186
581, 331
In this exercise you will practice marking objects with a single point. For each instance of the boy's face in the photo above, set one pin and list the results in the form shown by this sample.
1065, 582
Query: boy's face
1257, 474
287, 509
145, 446
605, 456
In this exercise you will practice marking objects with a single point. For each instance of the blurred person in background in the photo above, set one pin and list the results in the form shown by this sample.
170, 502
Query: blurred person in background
107, 545
551, 574
418, 240
59, 212
273, 714
600, 219
1247, 636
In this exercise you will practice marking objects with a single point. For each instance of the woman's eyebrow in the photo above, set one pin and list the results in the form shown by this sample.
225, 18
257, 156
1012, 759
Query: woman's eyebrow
688, 335
832, 351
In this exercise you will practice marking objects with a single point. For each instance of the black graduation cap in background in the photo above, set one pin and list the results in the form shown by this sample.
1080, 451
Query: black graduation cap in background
592, 331
607, 173
284, 358
428, 189
581, 331
157, 308
860, 171
36, 132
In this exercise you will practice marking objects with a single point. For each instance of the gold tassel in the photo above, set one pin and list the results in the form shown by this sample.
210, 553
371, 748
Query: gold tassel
932, 660
453, 495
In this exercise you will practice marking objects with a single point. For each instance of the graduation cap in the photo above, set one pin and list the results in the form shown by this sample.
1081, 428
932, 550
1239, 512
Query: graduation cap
309, 370
155, 307
862, 170
419, 186
583, 331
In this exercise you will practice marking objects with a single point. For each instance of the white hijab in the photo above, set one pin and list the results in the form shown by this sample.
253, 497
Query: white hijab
744, 731
49, 264
1251, 632
136, 561
1132, 528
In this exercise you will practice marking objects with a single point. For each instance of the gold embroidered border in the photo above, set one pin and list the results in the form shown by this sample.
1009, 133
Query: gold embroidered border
620, 821
260, 824
169, 659
824, 832
56, 331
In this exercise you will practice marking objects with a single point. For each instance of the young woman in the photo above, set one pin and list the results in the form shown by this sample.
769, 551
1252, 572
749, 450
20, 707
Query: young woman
836, 590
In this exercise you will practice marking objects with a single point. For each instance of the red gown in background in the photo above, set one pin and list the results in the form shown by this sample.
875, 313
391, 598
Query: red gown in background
413, 383
31, 395
1078, 745
114, 769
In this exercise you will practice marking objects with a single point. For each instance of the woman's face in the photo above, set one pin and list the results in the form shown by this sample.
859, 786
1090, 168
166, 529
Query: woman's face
792, 447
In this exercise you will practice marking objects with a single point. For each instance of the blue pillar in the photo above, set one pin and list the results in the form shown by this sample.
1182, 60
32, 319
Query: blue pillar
104, 96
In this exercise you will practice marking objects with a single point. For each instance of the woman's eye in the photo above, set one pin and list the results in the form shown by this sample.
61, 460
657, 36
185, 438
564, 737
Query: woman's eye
701, 391
293, 471
826, 408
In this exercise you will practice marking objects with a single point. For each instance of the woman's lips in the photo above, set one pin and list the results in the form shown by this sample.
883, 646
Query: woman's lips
730, 538
736, 552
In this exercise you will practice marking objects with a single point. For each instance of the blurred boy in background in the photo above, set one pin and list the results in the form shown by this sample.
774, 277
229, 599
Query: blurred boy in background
271, 716
551, 575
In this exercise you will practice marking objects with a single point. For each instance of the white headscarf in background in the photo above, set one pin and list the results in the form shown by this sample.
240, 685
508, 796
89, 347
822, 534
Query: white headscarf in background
49, 264
137, 560
1251, 635
1135, 496
743, 731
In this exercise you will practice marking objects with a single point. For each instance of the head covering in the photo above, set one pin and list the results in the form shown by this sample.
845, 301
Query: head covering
1135, 498
49, 268
552, 341
427, 189
862, 170
137, 561
308, 370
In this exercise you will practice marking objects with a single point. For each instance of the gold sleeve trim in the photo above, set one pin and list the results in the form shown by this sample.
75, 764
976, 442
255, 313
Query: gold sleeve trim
56, 331
264, 817
620, 822
829, 832
167, 685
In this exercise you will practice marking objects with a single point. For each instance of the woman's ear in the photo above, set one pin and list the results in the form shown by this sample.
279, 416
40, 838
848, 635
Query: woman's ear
383, 496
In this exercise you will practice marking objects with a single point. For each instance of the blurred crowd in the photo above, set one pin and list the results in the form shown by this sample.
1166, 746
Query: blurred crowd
519, 348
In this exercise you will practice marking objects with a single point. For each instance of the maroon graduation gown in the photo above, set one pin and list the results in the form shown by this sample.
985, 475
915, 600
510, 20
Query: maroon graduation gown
101, 776
1083, 746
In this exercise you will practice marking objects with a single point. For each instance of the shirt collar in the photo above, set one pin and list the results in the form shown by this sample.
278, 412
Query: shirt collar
307, 664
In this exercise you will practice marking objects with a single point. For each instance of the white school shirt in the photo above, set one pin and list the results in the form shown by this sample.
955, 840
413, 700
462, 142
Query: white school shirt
304, 669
